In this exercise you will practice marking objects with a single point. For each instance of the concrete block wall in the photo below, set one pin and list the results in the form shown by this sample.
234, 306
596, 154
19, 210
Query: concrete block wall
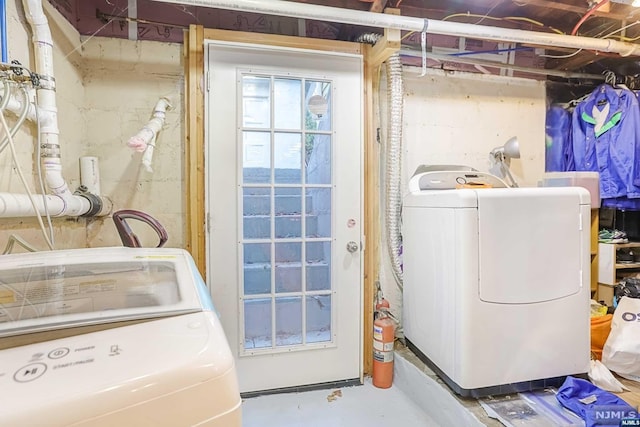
457, 118
106, 92
123, 81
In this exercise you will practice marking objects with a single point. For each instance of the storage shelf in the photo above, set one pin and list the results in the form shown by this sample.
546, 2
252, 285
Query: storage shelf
620, 266
625, 245
611, 271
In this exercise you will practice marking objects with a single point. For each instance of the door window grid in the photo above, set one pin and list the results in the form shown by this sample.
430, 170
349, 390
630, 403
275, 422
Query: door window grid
277, 302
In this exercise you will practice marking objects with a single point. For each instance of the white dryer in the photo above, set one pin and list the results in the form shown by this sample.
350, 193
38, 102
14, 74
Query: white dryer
112, 336
496, 282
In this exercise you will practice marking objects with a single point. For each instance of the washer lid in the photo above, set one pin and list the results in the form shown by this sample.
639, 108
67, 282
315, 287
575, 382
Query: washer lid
62, 289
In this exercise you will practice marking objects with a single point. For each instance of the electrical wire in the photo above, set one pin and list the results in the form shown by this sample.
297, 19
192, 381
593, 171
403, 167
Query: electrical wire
85, 41
488, 12
479, 52
6, 94
587, 15
23, 115
562, 56
622, 38
506, 18
22, 178
105, 16
407, 35
13, 239
494, 18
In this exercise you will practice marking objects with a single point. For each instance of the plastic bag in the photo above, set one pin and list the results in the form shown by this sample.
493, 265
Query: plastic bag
603, 378
621, 352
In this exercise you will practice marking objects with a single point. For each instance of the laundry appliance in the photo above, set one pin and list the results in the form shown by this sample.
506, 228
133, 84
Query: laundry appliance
496, 281
112, 337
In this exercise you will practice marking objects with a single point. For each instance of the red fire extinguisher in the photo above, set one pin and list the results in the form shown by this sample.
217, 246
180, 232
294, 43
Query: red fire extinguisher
383, 336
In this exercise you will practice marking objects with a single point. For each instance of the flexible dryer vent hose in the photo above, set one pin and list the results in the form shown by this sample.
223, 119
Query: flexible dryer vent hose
393, 165
393, 158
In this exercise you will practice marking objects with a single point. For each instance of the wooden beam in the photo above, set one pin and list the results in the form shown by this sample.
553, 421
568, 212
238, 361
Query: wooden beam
194, 147
284, 41
386, 46
371, 209
373, 59
378, 6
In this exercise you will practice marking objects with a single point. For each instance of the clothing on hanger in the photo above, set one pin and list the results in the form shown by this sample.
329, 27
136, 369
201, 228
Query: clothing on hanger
606, 139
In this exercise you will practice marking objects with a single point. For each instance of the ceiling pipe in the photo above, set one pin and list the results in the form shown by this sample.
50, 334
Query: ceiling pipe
408, 23
504, 66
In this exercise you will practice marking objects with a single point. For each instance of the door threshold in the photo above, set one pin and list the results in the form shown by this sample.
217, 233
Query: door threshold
303, 388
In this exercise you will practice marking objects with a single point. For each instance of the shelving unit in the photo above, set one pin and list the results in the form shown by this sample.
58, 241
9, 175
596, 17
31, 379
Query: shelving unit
611, 270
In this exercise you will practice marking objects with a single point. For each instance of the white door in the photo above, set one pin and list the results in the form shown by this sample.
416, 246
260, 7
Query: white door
284, 138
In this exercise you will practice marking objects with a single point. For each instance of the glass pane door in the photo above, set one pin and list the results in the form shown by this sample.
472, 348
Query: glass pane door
286, 293
284, 180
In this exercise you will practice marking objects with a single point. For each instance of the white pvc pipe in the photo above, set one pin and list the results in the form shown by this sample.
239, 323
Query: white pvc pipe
408, 23
16, 105
144, 140
19, 205
43, 46
71, 205
90, 174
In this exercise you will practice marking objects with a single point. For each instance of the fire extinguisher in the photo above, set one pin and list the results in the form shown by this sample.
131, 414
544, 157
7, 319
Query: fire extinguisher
383, 336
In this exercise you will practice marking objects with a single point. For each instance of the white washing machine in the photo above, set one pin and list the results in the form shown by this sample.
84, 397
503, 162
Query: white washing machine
112, 336
496, 281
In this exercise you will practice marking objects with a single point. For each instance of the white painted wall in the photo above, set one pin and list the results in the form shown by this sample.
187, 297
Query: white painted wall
123, 81
106, 91
457, 119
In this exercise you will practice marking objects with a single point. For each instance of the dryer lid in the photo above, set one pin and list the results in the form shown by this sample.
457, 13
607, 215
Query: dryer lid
531, 244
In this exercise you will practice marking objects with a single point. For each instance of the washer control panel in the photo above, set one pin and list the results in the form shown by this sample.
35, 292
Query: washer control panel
106, 370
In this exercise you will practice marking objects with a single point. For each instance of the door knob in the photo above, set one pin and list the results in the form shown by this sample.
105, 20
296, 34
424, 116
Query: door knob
352, 246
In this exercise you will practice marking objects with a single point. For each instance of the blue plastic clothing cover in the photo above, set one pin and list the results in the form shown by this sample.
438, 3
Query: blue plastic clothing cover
595, 406
558, 150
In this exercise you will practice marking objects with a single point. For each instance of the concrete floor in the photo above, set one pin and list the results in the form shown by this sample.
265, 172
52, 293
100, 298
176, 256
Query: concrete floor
356, 406
416, 399
419, 382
